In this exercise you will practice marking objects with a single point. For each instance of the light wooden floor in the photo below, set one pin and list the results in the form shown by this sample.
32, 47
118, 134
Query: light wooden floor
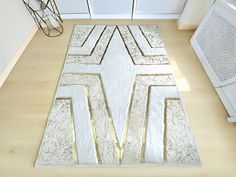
26, 97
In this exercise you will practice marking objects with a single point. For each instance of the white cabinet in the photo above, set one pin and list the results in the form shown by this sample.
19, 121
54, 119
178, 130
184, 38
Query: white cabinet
75, 7
155, 7
215, 44
121, 9
110, 8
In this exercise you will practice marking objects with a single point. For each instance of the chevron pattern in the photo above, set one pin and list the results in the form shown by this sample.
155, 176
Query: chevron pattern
117, 103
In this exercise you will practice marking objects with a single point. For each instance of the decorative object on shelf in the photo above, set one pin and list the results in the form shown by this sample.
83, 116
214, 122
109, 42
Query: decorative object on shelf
215, 44
46, 16
117, 103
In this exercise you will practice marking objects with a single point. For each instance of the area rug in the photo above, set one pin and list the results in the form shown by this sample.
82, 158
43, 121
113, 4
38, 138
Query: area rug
116, 103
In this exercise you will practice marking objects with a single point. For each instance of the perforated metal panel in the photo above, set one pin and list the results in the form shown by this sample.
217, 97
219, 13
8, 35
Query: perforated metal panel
217, 40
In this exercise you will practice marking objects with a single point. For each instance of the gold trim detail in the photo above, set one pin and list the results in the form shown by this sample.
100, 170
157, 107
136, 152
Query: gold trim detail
72, 126
165, 129
99, 159
119, 150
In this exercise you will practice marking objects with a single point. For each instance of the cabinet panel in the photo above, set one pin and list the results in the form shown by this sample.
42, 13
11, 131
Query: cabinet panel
72, 6
230, 93
160, 6
214, 43
111, 6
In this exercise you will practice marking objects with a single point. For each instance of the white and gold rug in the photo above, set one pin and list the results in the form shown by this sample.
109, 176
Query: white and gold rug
116, 103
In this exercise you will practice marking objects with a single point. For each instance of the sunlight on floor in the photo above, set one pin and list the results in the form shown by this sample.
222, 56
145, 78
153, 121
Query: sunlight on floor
183, 85
181, 81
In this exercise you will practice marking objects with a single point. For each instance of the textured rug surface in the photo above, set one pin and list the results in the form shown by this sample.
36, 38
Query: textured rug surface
116, 103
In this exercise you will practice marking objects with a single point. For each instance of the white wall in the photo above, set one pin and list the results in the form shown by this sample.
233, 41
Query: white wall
15, 27
193, 13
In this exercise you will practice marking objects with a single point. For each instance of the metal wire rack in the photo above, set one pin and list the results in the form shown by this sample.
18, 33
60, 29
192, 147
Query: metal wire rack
46, 15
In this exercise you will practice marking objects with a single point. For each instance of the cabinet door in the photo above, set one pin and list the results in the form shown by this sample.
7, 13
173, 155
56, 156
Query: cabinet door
72, 6
159, 6
227, 94
111, 6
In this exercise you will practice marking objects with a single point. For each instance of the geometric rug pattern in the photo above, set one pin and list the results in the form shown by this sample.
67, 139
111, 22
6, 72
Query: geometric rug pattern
117, 103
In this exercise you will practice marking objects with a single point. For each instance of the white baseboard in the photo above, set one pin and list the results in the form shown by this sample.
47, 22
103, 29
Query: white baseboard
156, 16
11, 64
75, 16
96, 16
111, 16
182, 26
120, 16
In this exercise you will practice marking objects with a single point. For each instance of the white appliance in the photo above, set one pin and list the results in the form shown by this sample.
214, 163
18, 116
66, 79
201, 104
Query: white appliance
215, 44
